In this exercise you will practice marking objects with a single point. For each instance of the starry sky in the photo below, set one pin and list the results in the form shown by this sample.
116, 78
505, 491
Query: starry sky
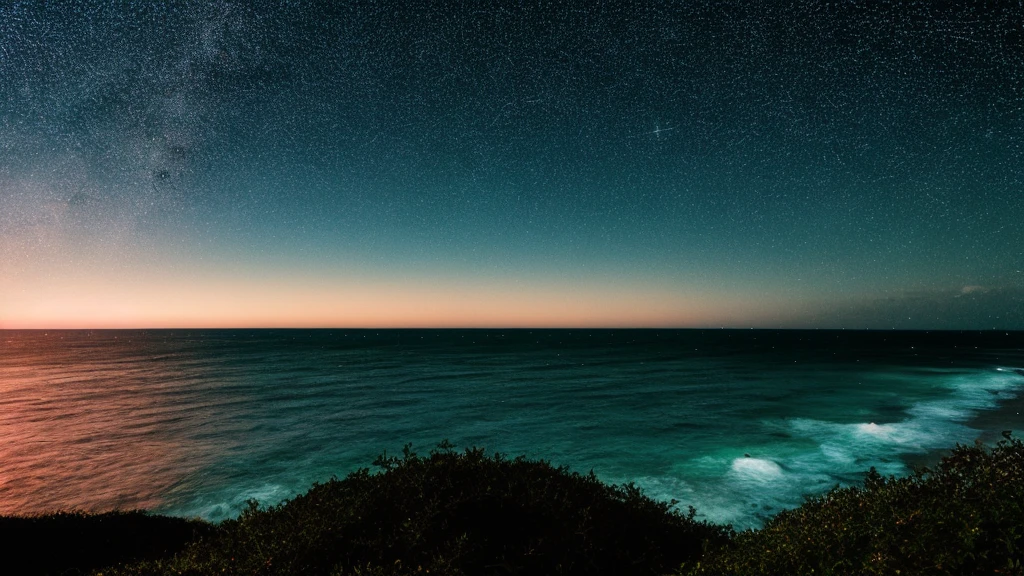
843, 164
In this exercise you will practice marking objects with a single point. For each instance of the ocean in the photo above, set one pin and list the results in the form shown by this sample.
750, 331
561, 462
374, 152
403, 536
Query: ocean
739, 424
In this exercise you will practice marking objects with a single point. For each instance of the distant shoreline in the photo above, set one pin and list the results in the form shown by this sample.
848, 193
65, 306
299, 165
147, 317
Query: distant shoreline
1007, 415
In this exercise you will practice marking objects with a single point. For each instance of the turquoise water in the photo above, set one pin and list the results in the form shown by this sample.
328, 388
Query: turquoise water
739, 424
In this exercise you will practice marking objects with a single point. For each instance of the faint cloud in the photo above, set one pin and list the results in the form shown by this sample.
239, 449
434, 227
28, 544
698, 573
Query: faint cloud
972, 307
973, 290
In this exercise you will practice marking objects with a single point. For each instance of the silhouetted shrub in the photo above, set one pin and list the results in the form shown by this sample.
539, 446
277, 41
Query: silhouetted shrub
964, 517
452, 513
468, 513
71, 543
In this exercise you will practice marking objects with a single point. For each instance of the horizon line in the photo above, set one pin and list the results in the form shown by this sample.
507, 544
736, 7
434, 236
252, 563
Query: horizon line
513, 328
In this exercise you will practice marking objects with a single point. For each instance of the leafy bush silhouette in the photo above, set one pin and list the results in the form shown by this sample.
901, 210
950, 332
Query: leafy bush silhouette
452, 513
77, 543
964, 517
458, 513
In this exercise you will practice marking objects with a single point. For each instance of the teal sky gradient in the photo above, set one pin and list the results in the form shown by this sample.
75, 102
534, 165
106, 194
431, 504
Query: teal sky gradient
854, 164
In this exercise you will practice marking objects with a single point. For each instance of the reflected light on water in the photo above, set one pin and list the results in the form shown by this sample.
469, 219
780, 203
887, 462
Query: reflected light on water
89, 425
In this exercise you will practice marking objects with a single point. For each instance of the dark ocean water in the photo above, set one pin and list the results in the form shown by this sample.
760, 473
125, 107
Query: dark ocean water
197, 422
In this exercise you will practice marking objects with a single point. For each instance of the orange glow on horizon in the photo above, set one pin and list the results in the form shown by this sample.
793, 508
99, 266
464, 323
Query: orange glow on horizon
222, 303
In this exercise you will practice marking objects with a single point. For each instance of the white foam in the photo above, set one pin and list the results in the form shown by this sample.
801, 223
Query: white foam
940, 411
757, 469
906, 435
224, 507
837, 454
820, 454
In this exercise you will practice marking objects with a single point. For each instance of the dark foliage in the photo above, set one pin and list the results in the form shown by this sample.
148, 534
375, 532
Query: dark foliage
452, 513
468, 513
73, 543
964, 517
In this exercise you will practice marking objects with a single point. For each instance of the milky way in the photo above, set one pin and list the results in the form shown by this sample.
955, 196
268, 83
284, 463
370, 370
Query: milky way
819, 164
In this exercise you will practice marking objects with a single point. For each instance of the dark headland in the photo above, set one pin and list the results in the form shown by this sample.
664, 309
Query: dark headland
467, 513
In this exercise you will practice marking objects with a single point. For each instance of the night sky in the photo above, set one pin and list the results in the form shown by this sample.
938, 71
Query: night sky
844, 164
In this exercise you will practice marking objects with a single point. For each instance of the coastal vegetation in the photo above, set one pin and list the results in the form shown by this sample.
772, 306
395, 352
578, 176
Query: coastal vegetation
965, 516
72, 543
467, 512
